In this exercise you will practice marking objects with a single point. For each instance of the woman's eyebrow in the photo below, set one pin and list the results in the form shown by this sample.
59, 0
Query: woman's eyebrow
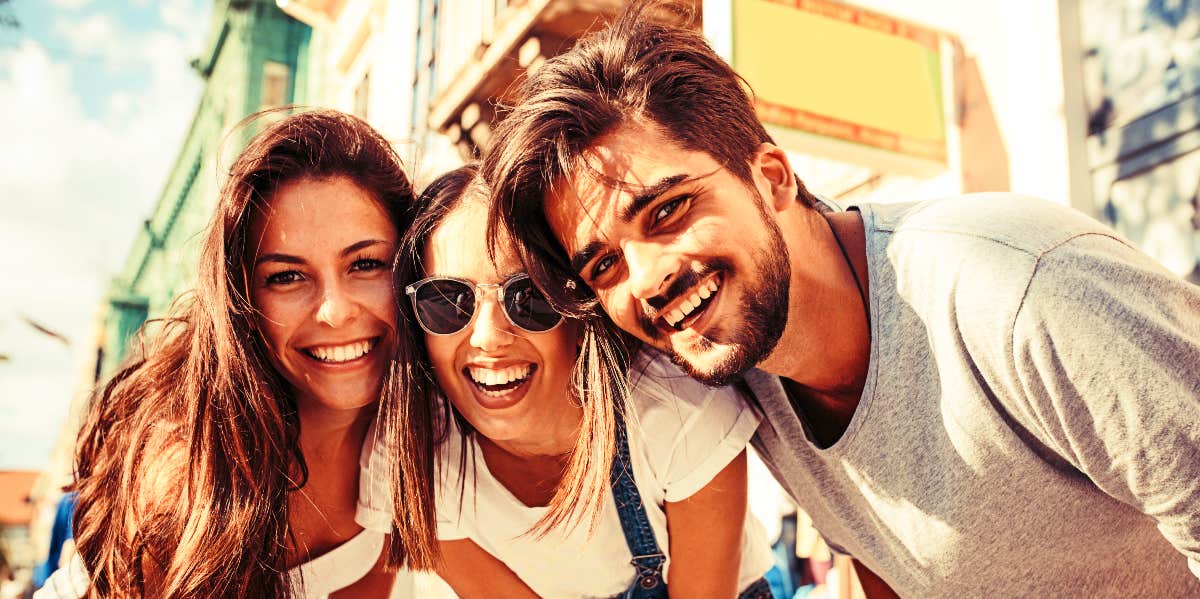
290, 259
366, 243
284, 258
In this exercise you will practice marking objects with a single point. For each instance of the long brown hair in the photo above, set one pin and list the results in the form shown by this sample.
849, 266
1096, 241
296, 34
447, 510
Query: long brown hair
188, 453
637, 68
598, 378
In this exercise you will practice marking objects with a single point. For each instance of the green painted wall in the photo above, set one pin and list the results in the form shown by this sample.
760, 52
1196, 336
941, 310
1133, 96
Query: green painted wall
252, 60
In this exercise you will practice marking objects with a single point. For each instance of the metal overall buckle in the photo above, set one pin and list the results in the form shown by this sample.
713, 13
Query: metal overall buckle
648, 576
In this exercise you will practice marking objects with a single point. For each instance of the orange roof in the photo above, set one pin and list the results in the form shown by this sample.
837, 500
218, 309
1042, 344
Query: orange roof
15, 507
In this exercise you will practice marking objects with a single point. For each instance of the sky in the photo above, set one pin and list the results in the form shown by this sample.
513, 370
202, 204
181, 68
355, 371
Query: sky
95, 99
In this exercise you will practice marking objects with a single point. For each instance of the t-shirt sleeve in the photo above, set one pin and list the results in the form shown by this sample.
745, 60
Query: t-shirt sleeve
374, 509
68, 582
691, 431
1107, 351
454, 493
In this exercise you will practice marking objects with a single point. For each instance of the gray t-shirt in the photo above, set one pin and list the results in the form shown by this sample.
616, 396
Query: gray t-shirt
1030, 425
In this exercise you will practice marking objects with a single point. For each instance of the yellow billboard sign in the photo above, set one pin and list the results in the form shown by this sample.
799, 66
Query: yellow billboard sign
830, 70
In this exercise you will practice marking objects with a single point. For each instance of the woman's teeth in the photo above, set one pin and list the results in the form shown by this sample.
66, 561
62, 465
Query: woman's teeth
500, 381
487, 376
689, 304
341, 353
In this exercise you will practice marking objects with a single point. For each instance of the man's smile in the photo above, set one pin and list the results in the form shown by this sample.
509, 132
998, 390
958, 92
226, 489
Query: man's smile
687, 309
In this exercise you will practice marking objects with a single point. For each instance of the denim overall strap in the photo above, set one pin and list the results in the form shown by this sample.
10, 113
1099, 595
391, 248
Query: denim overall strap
647, 559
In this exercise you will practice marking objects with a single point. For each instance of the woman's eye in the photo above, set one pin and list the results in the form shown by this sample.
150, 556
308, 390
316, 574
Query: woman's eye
367, 264
284, 278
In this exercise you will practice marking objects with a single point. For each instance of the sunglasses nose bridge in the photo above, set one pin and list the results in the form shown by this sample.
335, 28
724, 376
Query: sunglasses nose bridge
481, 293
491, 327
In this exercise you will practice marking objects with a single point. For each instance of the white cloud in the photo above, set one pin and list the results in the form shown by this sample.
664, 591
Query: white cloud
93, 36
75, 189
186, 16
70, 4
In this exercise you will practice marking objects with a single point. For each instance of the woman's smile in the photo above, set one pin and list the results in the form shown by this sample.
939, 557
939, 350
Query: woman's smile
499, 388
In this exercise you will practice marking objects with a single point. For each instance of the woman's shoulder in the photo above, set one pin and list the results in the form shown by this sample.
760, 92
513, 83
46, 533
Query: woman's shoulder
452, 469
657, 386
686, 430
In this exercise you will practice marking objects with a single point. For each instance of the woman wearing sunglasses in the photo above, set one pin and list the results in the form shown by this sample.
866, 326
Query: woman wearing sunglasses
551, 479
224, 460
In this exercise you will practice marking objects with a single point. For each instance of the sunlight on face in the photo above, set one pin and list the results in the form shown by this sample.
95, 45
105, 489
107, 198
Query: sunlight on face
510, 384
681, 254
322, 285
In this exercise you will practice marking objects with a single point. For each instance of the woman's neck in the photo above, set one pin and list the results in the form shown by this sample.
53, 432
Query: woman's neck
532, 478
321, 513
531, 469
555, 437
330, 436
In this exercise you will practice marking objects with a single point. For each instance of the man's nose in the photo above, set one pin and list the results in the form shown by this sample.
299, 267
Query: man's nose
338, 307
490, 330
651, 268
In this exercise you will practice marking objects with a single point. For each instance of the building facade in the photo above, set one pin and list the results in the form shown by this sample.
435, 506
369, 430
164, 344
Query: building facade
1089, 103
254, 58
1141, 82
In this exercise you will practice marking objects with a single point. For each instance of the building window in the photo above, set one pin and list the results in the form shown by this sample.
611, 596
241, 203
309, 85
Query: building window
361, 93
275, 84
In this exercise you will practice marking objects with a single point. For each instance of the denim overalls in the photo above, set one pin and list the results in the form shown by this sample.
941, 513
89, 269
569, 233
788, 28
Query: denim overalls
648, 559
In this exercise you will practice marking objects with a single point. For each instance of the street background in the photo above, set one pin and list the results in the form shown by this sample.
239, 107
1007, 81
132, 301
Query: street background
115, 117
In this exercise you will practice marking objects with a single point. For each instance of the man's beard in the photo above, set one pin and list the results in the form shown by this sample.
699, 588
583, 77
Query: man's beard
763, 306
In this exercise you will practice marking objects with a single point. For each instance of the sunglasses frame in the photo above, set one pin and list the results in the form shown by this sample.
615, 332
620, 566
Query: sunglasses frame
477, 289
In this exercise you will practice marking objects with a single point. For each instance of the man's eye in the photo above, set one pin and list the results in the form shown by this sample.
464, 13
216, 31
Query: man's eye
667, 209
367, 264
602, 265
284, 278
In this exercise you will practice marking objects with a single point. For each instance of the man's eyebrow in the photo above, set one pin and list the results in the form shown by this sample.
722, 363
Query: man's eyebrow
649, 194
583, 256
639, 202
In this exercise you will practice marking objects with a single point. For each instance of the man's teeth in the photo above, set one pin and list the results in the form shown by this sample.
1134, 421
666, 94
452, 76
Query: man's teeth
490, 377
340, 353
689, 304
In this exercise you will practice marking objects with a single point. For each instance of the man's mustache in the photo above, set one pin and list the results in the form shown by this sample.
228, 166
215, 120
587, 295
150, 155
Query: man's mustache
683, 283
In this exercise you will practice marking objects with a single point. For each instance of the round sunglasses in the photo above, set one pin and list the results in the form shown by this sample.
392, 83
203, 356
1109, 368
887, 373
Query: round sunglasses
446, 305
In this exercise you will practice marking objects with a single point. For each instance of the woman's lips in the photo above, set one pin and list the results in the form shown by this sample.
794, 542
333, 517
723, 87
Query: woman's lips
342, 355
499, 388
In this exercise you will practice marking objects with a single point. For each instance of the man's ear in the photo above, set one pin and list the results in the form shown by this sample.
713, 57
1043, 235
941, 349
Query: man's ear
772, 167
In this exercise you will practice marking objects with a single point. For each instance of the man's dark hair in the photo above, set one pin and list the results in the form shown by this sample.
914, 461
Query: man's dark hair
636, 69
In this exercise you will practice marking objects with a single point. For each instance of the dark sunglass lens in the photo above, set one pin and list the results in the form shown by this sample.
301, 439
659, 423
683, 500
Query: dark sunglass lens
528, 308
445, 306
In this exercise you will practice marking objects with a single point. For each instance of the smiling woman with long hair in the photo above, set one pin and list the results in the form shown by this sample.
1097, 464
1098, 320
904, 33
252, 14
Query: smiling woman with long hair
223, 461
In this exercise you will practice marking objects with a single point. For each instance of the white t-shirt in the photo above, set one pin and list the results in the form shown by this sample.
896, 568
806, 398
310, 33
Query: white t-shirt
681, 434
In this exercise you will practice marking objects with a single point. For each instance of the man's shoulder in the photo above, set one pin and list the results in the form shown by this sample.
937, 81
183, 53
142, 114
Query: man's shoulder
1023, 224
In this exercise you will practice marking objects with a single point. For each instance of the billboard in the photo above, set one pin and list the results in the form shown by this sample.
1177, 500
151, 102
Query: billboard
842, 82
